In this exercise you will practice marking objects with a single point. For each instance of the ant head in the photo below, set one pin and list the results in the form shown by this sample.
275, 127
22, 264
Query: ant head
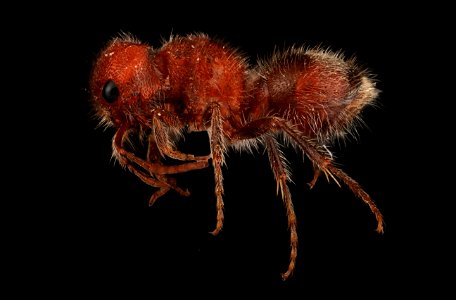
123, 80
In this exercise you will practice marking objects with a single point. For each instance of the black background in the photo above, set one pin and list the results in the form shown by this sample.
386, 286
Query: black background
89, 230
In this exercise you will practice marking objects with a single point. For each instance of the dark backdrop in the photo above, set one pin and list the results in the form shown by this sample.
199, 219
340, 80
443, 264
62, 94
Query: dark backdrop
90, 231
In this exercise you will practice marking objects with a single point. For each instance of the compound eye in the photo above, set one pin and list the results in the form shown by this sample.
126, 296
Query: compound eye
110, 91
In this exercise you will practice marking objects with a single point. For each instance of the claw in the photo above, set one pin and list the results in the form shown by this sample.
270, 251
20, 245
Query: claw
314, 180
157, 195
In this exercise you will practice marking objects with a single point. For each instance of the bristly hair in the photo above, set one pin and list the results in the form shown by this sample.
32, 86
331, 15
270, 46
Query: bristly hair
126, 37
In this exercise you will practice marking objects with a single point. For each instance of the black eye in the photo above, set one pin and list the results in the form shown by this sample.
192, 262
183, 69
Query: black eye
110, 91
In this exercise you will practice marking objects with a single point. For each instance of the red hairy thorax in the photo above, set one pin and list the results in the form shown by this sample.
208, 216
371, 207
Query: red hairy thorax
184, 77
200, 72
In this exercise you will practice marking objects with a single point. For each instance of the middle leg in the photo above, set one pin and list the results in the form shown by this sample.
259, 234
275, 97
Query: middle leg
281, 174
218, 148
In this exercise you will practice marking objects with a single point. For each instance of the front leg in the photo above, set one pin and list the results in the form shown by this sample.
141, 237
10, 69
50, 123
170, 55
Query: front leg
166, 130
153, 155
125, 157
156, 171
164, 124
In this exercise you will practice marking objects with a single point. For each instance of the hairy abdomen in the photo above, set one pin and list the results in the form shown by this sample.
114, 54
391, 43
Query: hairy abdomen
318, 91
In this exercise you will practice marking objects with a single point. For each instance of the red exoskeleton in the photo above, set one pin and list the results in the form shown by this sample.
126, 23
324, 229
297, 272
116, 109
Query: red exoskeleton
306, 97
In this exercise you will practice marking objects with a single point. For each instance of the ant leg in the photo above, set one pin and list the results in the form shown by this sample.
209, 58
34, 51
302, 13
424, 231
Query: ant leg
164, 125
318, 156
163, 186
218, 147
281, 174
154, 168
324, 163
317, 173
165, 145
153, 155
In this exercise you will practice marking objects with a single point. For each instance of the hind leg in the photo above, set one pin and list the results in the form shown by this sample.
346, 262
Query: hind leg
318, 154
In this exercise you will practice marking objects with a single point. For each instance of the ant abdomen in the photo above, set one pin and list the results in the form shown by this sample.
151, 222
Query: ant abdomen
317, 90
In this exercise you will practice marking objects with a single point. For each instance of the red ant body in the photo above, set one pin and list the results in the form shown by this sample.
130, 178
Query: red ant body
194, 83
